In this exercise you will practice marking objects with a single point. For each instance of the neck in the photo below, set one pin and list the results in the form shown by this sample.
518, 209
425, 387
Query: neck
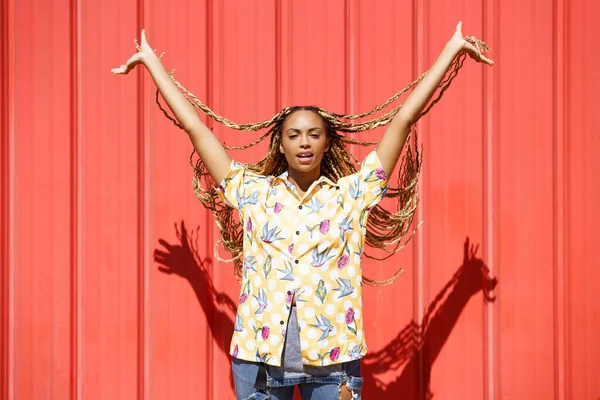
303, 180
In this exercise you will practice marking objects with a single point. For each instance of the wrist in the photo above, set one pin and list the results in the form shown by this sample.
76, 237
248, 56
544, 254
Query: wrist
455, 46
150, 59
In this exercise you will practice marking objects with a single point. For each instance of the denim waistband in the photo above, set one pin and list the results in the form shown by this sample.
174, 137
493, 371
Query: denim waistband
293, 371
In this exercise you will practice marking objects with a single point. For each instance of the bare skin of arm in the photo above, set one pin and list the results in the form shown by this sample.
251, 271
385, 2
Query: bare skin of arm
208, 147
393, 140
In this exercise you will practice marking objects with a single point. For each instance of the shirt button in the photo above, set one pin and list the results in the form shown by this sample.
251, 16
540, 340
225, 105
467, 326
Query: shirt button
297, 232
281, 322
300, 207
296, 261
289, 293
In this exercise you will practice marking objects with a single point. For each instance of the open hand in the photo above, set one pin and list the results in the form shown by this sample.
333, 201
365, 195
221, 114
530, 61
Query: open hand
144, 51
473, 47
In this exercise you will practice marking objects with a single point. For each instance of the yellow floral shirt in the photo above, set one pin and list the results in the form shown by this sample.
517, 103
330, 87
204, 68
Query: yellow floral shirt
311, 247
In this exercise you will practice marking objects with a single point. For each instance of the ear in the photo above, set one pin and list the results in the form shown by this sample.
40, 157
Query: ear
281, 148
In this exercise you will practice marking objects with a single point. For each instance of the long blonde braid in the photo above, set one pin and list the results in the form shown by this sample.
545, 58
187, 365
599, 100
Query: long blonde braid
387, 231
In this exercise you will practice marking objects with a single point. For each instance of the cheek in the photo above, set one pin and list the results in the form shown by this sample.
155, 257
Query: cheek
323, 146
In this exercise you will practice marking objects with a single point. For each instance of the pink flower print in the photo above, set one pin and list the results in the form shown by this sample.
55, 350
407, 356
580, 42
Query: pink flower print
291, 248
249, 225
324, 226
265, 332
222, 189
350, 316
283, 332
380, 174
343, 261
235, 351
289, 297
243, 298
334, 354
278, 207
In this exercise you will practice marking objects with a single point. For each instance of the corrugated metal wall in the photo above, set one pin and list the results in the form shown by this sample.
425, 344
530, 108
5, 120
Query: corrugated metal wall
102, 299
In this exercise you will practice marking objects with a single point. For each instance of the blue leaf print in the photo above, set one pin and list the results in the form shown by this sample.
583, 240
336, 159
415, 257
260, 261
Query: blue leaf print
288, 272
345, 225
324, 325
243, 201
299, 295
239, 323
318, 259
261, 359
315, 205
249, 263
356, 352
355, 191
270, 235
262, 301
345, 288
360, 250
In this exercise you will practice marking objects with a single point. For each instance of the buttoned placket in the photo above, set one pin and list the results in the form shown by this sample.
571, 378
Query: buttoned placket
314, 187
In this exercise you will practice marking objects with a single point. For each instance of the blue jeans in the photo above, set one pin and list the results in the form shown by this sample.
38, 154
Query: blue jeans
311, 386
326, 383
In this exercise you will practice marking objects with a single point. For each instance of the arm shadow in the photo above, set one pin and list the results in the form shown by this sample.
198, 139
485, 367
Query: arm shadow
183, 259
412, 352
416, 347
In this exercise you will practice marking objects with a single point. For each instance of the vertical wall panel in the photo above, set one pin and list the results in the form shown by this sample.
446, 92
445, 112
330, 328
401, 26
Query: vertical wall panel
453, 208
490, 218
525, 194
109, 285
178, 358
382, 66
7, 137
582, 215
559, 163
110, 203
42, 208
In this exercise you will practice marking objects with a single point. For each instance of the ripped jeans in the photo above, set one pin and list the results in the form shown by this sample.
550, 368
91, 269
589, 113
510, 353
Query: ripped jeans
333, 382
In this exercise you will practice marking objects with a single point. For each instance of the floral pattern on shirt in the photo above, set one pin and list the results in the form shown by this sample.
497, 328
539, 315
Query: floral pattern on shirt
310, 248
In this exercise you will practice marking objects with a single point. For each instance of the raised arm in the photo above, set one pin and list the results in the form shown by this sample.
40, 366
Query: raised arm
207, 146
393, 140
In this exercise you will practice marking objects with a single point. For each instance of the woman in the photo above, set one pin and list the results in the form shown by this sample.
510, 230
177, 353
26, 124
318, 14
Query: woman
303, 211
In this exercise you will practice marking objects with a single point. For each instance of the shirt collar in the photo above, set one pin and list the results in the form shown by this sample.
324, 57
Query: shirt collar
283, 178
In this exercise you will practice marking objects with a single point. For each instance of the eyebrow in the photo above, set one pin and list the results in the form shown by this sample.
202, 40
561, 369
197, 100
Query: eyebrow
298, 130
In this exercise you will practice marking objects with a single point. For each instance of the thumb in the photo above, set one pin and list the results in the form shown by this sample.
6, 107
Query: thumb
459, 28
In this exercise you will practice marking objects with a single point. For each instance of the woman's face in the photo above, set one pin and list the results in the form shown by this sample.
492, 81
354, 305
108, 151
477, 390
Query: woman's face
304, 141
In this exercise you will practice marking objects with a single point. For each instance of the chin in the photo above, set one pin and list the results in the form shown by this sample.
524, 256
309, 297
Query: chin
307, 167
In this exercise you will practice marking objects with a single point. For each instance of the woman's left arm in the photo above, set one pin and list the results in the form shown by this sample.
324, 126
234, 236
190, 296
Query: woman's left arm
391, 144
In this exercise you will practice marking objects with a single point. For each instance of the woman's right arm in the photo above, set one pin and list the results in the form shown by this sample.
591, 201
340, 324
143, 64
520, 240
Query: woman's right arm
208, 147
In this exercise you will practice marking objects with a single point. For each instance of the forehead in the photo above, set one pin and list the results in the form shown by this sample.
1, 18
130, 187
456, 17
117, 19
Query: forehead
303, 119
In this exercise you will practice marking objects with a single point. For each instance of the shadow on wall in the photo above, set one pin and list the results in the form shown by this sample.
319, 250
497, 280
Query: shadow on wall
415, 348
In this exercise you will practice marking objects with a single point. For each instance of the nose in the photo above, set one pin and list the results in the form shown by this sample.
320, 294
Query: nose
304, 142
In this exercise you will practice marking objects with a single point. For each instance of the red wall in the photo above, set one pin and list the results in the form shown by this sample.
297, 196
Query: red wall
95, 182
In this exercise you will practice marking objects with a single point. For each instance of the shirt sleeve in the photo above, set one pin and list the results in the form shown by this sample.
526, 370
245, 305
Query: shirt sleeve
231, 188
370, 183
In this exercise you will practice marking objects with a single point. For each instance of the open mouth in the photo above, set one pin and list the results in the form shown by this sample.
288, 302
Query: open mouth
305, 158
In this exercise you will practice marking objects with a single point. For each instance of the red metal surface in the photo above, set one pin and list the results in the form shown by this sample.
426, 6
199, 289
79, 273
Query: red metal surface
102, 297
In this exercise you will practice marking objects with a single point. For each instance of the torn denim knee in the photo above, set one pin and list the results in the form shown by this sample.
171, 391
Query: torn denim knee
351, 389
